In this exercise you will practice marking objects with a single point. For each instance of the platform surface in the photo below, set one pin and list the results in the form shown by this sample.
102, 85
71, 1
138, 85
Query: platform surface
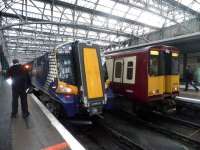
33, 133
190, 94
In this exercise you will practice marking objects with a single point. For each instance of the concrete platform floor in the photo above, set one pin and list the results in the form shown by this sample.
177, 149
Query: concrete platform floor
33, 133
190, 94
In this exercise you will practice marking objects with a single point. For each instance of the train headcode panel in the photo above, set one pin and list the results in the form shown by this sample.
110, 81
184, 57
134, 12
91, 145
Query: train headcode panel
72, 76
144, 75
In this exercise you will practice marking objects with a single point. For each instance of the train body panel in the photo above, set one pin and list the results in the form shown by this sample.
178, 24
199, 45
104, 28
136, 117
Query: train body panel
156, 85
142, 76
172, 83
67, 76
92, 73
132, 80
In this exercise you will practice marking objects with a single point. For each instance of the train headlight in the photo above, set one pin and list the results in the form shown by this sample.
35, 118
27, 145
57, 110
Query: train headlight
175, 89
153, 92
64, 88
27, 66
9, 81
67, 89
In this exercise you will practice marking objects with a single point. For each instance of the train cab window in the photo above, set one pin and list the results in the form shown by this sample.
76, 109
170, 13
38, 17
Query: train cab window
174, 64
129, 70
118, 69
167, 63
154, 63
64, 64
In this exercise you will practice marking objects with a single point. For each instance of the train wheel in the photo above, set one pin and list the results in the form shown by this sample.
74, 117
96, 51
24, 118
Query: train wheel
139, 109
178, 108
53, 108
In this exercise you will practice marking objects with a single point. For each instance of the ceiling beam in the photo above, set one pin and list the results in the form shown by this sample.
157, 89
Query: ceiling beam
64, 36
30, 43
74, 26
182, 7
96, 12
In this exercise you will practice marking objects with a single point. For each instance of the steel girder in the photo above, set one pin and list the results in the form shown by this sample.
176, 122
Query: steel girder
158, 9
62, 36
95, 12
182, 7
76, 26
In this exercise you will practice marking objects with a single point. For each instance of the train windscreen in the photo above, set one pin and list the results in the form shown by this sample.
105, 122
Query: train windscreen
154, 63
174, 63
171, 62
65, 64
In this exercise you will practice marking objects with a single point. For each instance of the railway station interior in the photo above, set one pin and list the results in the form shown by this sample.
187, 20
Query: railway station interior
99, 74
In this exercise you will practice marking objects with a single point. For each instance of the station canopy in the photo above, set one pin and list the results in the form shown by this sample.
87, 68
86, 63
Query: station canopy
33, 27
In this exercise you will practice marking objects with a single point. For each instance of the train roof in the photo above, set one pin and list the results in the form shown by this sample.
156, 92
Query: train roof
138, 49
65, 43
77, 41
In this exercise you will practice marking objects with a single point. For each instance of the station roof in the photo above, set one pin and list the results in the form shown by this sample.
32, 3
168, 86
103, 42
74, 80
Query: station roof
33, 27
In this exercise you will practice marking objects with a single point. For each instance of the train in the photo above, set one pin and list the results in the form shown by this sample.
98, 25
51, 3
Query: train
71, 76
145, 77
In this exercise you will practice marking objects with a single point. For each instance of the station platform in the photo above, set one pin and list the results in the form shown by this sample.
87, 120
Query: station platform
191, 93
191, 96
40, 131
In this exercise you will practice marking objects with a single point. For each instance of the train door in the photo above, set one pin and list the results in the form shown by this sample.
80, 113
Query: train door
118, 71
129, 70
171, 72
109, 68
156, 82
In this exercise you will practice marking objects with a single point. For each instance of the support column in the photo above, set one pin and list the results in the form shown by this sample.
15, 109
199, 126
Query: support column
3, 51
184, 64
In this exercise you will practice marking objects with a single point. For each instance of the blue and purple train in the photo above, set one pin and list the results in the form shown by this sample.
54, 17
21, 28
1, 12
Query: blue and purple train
72, 76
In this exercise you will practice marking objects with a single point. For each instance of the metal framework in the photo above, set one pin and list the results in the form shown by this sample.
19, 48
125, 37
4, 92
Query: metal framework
33, 27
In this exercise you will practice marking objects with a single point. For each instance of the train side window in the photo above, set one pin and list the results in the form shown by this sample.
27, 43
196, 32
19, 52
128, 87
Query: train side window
65, 64
129, 75
118, 69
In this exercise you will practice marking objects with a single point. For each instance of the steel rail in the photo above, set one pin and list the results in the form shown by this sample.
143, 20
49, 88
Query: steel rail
160, 129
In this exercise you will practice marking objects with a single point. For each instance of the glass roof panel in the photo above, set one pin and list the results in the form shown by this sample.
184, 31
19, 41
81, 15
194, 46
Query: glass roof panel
151, 19
107, 3
104, 8
86, 3
193, 4
133, 13
120, 10
102, 26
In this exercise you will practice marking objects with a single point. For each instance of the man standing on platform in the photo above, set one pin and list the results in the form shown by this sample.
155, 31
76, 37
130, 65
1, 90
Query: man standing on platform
189, 79
20, 83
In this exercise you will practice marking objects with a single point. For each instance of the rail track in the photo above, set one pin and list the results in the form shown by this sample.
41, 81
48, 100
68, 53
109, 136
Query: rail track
178, 120
183, 131
100, 136
95, 135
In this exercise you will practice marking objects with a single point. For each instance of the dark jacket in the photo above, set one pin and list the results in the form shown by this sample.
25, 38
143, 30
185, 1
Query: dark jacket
189, 75
20, 77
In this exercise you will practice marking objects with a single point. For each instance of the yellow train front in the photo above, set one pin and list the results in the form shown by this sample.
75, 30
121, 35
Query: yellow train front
72, 76
172, 76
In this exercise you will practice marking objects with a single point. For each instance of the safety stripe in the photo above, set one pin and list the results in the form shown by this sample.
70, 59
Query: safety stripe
187, 99
66, 135
61, 146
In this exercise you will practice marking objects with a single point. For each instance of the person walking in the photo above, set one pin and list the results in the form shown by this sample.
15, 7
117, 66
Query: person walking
189, 79
20, 83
